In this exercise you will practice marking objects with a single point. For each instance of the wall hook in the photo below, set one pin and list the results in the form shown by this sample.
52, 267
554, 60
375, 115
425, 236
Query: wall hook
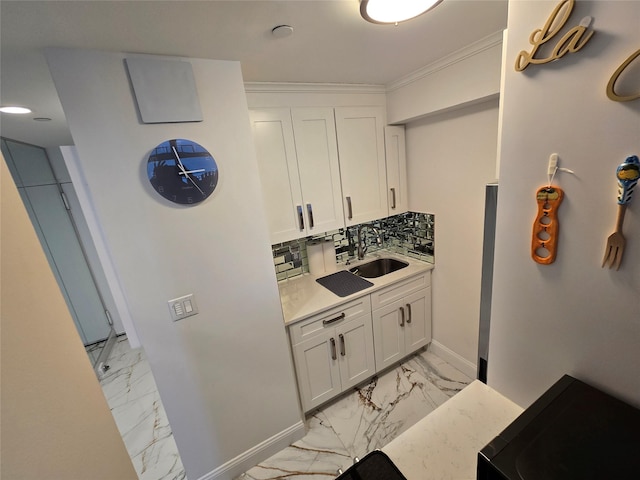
553, 168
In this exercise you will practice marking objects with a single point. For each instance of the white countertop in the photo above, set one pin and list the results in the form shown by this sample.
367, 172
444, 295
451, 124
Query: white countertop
302, 296
444, 445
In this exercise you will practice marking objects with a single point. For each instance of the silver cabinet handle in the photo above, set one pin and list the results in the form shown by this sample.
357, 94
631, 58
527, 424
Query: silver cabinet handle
401, 316
342, 346
310, 214
349, 209
393, 198
408, 313
339, 317
300, 217
334, 356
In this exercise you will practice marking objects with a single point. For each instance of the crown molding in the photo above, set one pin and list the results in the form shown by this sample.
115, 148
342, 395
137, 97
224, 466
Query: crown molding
362, 88
290, 87
457, 56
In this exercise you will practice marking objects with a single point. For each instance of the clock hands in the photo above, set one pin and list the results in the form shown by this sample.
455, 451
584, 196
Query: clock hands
180, 165
192, 171
184, 170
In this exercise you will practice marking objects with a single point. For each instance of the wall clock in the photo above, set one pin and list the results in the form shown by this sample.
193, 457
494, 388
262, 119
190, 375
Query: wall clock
182, 171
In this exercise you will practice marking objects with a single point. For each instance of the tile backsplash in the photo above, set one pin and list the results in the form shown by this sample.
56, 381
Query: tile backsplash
409, 233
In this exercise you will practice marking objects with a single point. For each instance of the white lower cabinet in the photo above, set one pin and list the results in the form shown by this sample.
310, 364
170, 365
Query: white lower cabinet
333, 351
401, 319
346, 345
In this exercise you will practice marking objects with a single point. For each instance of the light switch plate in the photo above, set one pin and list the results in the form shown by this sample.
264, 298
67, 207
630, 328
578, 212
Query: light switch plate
182, 307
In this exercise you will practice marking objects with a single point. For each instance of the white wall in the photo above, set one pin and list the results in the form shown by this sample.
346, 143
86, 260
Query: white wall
225, 376
451, 157
465, 77
572, 316
450, 110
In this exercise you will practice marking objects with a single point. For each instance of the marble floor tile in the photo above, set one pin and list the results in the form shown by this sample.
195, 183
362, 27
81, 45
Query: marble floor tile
379, 411
132, 395
367, 418
364, 420
318, 455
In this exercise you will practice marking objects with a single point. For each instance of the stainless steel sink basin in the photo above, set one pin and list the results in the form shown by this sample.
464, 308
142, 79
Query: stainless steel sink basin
378, 268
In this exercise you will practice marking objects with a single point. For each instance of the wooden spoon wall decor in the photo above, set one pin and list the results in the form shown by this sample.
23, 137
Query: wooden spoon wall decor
544, 240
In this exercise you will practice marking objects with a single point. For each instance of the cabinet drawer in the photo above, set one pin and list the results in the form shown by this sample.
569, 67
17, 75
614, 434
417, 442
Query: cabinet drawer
398, 290
317, 324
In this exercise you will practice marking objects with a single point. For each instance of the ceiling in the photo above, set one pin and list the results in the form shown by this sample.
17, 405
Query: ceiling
330, 43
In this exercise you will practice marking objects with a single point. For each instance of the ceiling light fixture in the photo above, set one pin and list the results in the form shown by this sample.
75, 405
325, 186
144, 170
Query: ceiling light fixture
394, 11
15, 109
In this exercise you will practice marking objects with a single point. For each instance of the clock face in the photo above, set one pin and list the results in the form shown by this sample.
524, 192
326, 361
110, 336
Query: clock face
182, 171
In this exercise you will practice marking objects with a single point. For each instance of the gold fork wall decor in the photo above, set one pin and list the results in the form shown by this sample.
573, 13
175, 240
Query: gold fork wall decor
627, 174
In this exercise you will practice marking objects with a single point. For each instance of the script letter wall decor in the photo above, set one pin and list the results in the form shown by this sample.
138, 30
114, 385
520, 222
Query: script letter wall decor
612, 82
571, 42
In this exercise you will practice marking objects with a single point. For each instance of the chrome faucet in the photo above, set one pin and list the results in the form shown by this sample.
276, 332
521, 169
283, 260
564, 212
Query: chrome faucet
362, 248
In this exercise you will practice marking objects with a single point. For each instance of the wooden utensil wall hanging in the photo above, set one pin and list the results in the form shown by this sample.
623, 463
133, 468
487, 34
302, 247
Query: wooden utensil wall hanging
627, 174
544, 240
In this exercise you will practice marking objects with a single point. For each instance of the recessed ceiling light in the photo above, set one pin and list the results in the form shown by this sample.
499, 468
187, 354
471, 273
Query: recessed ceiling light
42, 119
394, 11
14, 109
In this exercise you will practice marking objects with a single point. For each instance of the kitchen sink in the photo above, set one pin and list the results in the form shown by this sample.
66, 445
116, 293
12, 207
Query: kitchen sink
378, 268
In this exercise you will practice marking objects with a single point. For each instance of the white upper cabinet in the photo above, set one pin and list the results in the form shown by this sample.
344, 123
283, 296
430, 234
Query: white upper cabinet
299, 170
278, 168
324, 168
360, 133
394, 144
315, 136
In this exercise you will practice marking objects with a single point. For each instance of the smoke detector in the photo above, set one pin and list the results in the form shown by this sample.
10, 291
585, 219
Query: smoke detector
281, 31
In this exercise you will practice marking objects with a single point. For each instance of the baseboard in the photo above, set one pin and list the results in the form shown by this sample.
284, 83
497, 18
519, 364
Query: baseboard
257, 454
452, 358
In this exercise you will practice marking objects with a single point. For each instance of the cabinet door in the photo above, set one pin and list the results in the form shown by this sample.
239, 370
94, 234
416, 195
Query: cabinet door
28, 164
317, 369
388, 334
355, 351
278, 169
394, 145
65, 256
417, 329
317, 151
360, 133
